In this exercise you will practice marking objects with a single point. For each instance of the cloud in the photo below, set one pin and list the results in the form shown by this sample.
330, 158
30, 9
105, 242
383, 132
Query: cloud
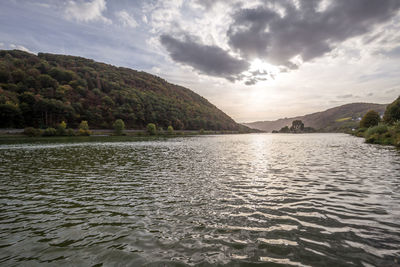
393, 53
86, 11
19, 47
210, 60
285, 33
279, 31
207, 4
392, 90
126, 19
345, 96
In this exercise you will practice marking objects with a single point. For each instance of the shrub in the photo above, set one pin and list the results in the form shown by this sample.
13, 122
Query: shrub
70, 132
50, 132
170, 129
396, 126
379, 129
84, 125
119, 127
151, 129
397, 141
392, 112
371, 118
372, 139
84, 129
30, 131
83, 132
61, 128
359, 134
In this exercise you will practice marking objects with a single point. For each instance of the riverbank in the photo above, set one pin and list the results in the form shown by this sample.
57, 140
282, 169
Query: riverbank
16, 136
381, 134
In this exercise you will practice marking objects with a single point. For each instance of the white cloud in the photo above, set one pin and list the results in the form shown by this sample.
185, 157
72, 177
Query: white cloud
126, 19
19, 47
86, 11
144, 18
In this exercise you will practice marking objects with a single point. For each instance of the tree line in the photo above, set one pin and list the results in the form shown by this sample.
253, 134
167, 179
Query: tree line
296, 127
44, 90
385, 130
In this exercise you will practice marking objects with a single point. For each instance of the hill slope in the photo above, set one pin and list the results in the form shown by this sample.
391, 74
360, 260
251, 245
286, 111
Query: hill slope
335, 119
43, 90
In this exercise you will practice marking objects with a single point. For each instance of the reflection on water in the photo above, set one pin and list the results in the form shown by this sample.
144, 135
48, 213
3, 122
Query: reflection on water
303, 200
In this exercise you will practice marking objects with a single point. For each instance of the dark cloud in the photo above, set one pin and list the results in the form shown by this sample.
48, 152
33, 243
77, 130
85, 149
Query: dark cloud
257, 76
278, 30
211, 60
284, 33
345, 96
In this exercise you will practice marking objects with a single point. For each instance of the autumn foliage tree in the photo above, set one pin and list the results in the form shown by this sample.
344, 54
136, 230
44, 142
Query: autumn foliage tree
40, 91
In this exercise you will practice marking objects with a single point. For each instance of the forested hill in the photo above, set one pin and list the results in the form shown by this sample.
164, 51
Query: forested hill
46, 89
337, 119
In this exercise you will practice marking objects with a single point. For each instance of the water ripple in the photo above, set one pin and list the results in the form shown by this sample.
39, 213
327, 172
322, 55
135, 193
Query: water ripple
286, 200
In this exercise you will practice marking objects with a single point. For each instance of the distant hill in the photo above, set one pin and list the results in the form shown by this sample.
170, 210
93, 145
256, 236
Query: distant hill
43, 90
336, 119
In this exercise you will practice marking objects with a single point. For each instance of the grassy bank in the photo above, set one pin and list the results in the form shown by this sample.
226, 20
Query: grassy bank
382, 134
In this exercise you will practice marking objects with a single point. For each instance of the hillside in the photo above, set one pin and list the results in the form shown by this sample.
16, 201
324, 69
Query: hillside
46, 89
337, 119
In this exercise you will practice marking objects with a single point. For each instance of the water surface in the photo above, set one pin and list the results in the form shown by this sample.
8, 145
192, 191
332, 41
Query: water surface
302, 200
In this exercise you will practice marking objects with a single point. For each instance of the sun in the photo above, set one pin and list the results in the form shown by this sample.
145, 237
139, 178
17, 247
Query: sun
263, 68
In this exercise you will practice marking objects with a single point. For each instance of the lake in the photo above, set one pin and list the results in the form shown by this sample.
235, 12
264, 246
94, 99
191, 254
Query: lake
301, 200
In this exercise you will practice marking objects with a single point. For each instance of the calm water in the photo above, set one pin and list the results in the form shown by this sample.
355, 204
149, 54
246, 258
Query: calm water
303, 200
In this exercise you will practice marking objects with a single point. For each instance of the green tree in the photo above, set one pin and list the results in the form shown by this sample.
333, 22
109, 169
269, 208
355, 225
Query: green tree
119, 127
297, 126
151, 129
10, 115
30, 131
84, 128
84, 125
50, 132
170, 129
371, 118
392, 112
61, 128
284, 130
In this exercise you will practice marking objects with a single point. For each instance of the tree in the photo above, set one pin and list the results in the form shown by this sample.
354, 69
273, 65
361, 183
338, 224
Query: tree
284, 130
170, 129
84, 125
370, 119
61, 128
50, 132
84, 128
297, 126
151, 129
119, 127
10, 115
392, 112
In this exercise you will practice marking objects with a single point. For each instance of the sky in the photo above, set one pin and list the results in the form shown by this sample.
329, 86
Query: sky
255, 60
